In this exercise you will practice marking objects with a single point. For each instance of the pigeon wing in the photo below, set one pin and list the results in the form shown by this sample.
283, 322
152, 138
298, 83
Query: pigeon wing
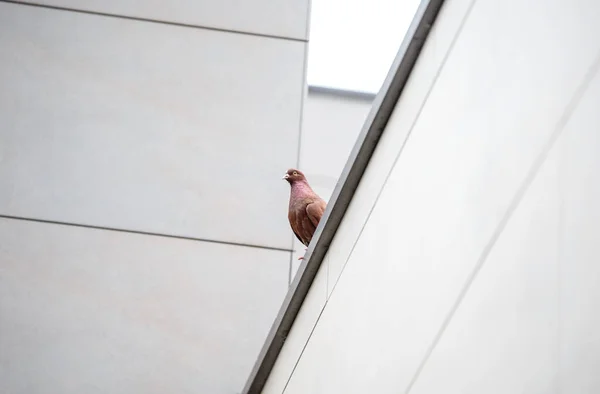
315, 211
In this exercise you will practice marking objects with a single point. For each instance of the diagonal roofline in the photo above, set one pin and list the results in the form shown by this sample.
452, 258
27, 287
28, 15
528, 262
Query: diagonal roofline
376, 122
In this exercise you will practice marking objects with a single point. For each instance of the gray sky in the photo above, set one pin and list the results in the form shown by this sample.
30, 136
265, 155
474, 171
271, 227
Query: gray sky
353, 42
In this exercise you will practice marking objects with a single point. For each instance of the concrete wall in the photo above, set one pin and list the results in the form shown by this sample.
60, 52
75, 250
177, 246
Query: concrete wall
145, 246
468, 259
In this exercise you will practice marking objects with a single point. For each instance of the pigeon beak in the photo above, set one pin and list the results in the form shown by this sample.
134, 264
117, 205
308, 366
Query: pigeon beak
285, 177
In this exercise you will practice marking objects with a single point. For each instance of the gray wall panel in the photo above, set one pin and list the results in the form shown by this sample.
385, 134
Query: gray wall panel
150, 127
91, 311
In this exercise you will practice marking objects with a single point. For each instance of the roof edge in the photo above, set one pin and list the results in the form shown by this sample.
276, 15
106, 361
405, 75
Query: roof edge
346, 93
376, 122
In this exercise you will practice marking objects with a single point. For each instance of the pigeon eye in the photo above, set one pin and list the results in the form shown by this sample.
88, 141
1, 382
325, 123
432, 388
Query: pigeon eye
295, 173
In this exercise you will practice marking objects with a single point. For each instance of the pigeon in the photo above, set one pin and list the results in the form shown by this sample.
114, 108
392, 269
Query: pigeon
306, 208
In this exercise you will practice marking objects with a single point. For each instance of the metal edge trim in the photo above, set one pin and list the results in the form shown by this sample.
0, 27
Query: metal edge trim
351, 94
381, 111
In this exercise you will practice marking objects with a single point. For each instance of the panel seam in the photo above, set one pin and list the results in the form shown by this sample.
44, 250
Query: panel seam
152, 20
141, 232
304, 348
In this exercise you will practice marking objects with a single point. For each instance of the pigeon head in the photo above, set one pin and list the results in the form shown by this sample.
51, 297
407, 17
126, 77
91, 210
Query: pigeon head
292, 175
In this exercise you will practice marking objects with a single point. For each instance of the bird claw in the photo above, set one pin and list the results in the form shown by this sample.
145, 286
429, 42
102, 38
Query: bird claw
302, 257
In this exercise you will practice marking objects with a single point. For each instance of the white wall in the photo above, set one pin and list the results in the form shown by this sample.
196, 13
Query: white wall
145, 246
477, 269
331, 122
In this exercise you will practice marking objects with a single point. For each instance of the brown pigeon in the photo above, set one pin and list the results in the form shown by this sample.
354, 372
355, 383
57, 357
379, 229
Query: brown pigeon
306, 208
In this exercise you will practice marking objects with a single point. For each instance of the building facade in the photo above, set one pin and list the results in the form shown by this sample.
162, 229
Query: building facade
466, 260
144, 244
